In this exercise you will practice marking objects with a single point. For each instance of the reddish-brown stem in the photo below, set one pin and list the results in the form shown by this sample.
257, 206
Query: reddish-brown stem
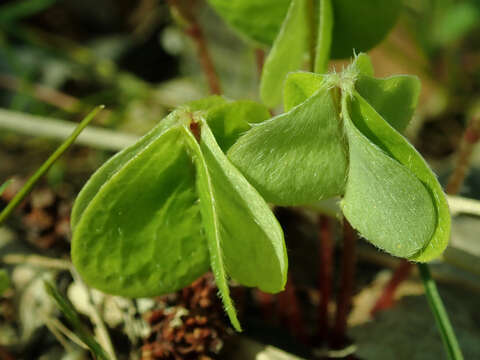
386, 299
4, 355
193, 29
266, 302
260, 60
325, 274
344, 299
469, 140
290, 310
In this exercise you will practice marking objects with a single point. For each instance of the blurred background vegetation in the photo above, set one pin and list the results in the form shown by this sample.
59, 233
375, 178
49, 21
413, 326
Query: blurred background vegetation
60, 58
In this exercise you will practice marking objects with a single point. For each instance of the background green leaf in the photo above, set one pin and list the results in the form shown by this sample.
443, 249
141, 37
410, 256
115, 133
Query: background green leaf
287, 53
229, 121
394, 98
392, 197
131, 240
259, 21
324, 36
298, 157
360, 25
299, 86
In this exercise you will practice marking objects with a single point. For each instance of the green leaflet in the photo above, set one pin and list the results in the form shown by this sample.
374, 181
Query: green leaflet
360, 25
386, 95
259, 21
389, 95
230, 120
245, 240
102, 175
298, 157
392, 197
287, 52
299, 86
140, 235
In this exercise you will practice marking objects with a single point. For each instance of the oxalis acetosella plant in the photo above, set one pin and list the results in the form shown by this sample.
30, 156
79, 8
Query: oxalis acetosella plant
193, 194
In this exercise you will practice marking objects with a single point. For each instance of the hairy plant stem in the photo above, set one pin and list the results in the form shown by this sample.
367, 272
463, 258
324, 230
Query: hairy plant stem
25, 190
441, 317
344, 299
325, 274
184, 10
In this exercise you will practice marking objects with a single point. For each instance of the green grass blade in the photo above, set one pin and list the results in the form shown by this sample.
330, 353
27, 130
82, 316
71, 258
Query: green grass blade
73, 318
25, 190
441, 317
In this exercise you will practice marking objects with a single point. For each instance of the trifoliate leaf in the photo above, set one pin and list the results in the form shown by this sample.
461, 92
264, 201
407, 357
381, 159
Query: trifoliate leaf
140, 235
287, 52
392, 197
298, 157
245, 240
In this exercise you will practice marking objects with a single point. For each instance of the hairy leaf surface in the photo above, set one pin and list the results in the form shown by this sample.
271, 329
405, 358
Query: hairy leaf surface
298, 157
245, 240
140, 235
392, 197
102, 175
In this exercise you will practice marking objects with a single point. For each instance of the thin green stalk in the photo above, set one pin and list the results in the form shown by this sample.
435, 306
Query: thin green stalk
324, 37
441, 317
46, 166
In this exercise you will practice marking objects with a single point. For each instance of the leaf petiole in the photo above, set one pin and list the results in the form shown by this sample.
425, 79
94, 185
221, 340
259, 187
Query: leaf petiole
441, 317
